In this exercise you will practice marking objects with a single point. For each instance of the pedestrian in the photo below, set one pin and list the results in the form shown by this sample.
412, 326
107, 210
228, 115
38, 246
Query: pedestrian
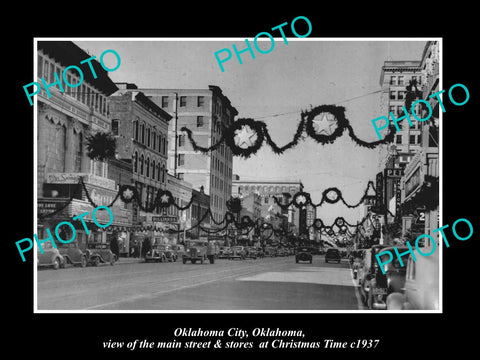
114, 246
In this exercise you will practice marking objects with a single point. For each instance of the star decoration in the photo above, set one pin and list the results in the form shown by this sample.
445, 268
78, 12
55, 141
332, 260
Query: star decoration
164, 198
332, 195
301, 199
127, 194
245, 137
326, 125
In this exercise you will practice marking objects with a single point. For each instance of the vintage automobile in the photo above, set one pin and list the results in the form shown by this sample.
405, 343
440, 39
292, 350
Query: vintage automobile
72, 254
99, 253
194, 252
156, 254
357, 262
421, 290
270, 251
332, 255
51, 257
367, 273
381, 285
238, 252
304, 254
251, 252
170, 254
178, 249
224, 252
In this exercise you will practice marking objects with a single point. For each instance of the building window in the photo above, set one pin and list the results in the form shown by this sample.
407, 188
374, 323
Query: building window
148, 137
392, 95
164, 146
154, 140
147, 165
141, 164
164, 101
135, 162
181, 159
419, 139
392, 109
399, 139
199, 121
158, 172
181, 140
400, 95
183, 101
400, 80
163, 173
200, 101
153, 169
180, 176
393, 80
142, 133
135, 129
115, 127
412, 139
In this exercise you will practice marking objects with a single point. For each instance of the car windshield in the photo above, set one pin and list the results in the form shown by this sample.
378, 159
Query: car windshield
332, 251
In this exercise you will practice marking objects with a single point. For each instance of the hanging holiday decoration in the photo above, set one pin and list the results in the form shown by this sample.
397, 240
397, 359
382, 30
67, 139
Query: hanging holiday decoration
128, 193
300, 199
234, 205
324, 124
101, 146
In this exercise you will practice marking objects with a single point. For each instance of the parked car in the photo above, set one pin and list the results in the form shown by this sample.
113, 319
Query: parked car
357, 262
156, 254
333, 255
304, 254
224, 252
270, 251
72, 254
381, 285
178, 249
368, 272
421, 290
50, 257
251, 252
195, 252
99, 253
238, 252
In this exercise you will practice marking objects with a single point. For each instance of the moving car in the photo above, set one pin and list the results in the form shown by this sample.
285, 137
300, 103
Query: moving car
51, 257
156, 254
99, 253
196, 251
72, 254
304, 254
251, 252
170, 254
421, 290
224, 252
333, 255
238, 252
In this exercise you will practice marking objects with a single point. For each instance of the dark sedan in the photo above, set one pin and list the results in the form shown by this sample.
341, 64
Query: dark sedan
304, 254
333, 255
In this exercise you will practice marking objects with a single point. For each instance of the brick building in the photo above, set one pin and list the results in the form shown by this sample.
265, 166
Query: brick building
205, 112
64, 121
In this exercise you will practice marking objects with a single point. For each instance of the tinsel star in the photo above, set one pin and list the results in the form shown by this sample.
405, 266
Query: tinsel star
127, 194
243, 137
164, 198
325, 124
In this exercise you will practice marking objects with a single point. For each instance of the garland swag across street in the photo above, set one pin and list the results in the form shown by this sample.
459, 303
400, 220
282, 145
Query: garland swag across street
324, 124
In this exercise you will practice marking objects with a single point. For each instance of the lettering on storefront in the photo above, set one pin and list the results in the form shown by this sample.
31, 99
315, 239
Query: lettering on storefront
413, 182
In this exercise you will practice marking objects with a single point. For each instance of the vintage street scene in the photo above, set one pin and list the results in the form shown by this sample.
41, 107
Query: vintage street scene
304, 178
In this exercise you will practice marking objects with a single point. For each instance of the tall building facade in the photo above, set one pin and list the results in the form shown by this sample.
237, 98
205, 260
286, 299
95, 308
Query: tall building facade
66, 117
141, 131
206, 112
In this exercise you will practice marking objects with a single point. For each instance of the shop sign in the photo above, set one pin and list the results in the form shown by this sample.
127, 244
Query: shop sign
46, 207
413, 182
394, 173
170, 219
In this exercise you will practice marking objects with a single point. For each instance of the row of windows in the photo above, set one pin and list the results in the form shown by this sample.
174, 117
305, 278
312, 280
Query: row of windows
150, 169
400, 79
84, 93
146, 135
413, 139
200, 101
219, 184
270, 189
397, 94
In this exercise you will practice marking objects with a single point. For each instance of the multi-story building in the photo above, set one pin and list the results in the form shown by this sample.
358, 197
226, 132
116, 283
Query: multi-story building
205, 112
394, 78
198, 218
141, 131
65, 119
182, 194
282, 190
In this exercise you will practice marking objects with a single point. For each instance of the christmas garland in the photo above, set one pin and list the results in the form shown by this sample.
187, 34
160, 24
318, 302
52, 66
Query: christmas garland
246, 136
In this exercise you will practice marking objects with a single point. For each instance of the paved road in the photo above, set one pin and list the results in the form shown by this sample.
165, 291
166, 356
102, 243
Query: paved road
262, 284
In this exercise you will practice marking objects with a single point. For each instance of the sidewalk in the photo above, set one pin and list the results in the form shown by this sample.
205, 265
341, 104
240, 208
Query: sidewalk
128, 260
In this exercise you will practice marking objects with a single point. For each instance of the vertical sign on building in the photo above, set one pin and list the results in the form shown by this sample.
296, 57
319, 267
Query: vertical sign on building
398, 198
379, 190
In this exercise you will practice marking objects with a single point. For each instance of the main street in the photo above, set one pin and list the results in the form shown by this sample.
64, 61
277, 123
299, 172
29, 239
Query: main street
262, 284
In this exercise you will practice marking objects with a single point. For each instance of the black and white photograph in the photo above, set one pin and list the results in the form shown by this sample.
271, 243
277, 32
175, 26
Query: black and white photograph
198, 182
170, 179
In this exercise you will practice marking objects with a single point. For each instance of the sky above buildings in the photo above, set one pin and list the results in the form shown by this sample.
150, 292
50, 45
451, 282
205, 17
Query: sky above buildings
275, 88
